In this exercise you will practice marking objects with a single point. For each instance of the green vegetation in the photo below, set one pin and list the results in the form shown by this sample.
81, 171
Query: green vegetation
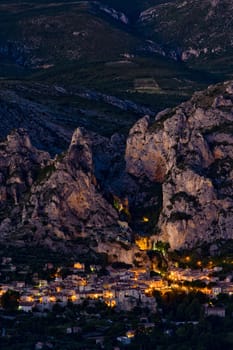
29, 260
188, 26
179, 324
45, 173
162, 247
10, 300
72, 44
206, 255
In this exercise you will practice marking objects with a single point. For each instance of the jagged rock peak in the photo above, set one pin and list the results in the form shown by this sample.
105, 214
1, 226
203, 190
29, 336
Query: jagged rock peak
19, 139
80, 151
18, 144
60, 201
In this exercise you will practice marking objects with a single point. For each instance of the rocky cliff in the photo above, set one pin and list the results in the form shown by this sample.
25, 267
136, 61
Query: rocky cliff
57, 203
171, 180
189, 150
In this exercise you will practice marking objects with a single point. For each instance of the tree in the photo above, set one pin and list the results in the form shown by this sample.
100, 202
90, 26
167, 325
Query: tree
10, 300
162, 247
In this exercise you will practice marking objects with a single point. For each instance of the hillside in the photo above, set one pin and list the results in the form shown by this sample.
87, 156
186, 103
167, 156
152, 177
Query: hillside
91, 45
197, 32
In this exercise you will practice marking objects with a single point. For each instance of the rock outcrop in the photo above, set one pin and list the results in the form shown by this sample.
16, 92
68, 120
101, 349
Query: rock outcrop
172, 182
56, 203
19, 163
189, 150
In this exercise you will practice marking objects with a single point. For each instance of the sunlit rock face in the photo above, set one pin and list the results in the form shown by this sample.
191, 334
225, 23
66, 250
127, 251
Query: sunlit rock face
189, 150
70, 198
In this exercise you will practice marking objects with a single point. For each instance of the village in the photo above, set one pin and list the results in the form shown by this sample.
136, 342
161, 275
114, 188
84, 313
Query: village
122, 289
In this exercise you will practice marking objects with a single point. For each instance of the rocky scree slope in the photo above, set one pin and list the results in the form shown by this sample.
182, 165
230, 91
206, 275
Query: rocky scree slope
189, 150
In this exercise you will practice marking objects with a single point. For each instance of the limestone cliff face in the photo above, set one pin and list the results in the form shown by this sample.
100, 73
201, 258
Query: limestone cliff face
172, 182
189, 150
56, 202
69, 198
